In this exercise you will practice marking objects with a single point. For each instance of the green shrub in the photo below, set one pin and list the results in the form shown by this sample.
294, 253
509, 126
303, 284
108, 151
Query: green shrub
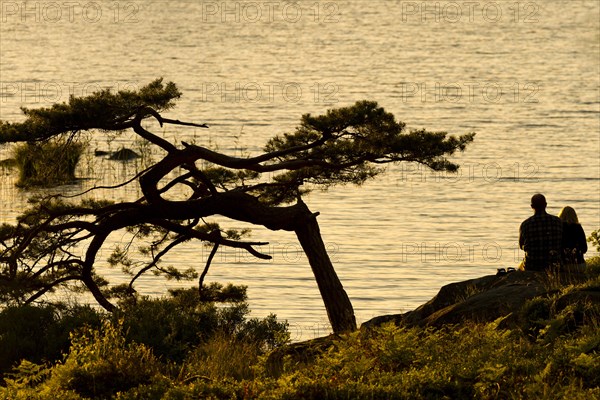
221, 357
473, 361
101, 363
535, 314
40, 333
265, 334
22, 334
594, 239
593, 270
175, 325
169, 327
201, 389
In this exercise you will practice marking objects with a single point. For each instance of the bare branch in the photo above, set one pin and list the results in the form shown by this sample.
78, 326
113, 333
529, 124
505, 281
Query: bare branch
207, 266
215, 238
51, 286
157, 258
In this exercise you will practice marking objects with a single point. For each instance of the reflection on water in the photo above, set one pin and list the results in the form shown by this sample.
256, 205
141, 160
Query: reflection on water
528, 87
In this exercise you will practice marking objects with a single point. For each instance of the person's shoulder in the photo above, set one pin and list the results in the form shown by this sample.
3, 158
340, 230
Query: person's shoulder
550, 217
555, 218
527, 220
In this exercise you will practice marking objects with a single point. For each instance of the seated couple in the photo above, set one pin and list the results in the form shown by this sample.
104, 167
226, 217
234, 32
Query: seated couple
550, 241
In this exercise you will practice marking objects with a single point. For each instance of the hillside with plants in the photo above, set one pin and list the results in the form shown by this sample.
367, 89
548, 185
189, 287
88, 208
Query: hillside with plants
187, 347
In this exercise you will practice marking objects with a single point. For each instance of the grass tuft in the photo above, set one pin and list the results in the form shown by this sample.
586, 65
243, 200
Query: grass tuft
47, 164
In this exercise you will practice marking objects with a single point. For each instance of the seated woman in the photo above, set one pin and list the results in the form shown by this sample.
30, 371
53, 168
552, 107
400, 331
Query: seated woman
574, 244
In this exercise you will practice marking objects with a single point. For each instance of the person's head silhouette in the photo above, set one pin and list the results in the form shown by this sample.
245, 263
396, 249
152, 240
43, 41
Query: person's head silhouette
538, 202
568, 215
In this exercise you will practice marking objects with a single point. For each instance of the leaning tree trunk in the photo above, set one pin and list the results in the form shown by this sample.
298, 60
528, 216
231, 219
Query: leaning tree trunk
241, 206
338, 305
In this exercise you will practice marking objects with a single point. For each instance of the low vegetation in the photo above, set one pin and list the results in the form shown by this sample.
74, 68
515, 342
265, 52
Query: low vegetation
47, 164
183, 347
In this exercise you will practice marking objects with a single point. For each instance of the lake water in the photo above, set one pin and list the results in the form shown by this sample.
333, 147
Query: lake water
523, 75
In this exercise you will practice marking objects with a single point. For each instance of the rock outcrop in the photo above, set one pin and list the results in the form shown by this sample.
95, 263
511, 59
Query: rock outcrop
487, 298
482, 300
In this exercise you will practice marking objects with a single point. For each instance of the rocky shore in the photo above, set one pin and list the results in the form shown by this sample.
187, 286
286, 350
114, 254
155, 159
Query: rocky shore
504, 298
491, 297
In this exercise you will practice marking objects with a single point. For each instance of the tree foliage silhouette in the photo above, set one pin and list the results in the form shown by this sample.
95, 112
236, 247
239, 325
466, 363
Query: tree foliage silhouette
345, 145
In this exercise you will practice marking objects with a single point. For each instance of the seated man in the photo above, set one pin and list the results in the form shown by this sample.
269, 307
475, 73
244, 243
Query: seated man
540, 237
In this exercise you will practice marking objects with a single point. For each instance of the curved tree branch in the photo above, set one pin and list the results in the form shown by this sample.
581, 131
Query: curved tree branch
155, 260
50, 287
207, 266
